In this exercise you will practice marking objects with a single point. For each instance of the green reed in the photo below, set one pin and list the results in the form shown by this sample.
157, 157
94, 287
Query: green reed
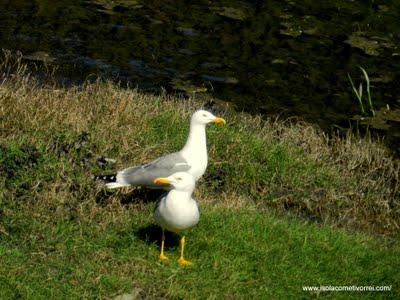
359, 93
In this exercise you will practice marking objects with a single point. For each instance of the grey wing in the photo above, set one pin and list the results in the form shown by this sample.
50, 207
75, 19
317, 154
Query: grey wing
144, 175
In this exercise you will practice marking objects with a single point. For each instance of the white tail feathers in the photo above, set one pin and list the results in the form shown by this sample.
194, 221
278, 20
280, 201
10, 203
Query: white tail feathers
114, 185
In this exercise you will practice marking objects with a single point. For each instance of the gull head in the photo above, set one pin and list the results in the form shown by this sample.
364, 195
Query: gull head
180, 181
204, 117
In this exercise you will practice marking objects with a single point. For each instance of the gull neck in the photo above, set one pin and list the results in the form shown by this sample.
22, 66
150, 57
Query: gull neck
196, 140
181, 194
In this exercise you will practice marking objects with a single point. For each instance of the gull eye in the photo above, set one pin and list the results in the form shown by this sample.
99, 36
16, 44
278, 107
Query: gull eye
204, 115
178, 178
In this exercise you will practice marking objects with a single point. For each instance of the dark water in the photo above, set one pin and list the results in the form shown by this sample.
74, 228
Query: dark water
269, 57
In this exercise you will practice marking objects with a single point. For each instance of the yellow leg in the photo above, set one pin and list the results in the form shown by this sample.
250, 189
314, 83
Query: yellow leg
162, 256
181, 260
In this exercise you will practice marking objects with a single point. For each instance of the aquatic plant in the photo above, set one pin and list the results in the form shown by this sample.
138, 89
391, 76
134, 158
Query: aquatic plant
359, 93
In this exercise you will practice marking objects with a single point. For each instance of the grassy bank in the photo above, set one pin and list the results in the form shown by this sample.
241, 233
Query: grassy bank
283, 205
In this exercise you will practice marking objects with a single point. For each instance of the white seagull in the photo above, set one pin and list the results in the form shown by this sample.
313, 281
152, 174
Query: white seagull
177, 211
191, 159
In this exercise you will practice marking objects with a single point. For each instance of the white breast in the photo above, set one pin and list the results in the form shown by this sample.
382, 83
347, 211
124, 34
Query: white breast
176, 213
198, 162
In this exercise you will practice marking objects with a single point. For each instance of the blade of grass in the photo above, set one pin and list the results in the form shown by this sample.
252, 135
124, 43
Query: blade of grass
356, 93
368, 91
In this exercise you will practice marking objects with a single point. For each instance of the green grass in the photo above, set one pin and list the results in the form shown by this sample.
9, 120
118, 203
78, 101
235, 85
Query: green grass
283, 205
359, 93
236, 254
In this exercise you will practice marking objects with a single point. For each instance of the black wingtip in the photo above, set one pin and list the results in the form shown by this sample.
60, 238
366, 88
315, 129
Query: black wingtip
105, 178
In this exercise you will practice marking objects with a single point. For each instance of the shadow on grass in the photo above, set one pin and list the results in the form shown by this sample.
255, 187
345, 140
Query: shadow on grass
151, 234
134, 196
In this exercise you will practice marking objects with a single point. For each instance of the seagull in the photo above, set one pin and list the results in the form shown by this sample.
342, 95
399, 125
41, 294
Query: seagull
191, 159
177, 211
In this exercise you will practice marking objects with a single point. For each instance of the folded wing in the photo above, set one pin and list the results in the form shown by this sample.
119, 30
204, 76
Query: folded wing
144, 175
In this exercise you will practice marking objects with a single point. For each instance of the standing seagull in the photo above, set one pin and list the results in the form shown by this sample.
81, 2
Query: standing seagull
177, 211
192, 158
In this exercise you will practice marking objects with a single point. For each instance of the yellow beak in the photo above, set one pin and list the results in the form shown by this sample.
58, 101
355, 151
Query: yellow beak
219, 121
161, 180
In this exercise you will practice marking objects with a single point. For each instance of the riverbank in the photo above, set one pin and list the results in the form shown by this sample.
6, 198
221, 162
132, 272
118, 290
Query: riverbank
279, 198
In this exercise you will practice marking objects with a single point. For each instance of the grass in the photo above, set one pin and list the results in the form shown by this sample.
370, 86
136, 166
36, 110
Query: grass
237, 254
359, 93
283, 205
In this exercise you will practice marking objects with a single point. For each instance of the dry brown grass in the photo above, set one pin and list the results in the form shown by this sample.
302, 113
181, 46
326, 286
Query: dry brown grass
343, 181
369, 194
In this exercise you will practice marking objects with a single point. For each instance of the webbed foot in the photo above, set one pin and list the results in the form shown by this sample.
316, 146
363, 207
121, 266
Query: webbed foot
183, 262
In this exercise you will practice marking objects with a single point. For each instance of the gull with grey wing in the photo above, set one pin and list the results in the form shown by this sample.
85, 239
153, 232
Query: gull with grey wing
192, 158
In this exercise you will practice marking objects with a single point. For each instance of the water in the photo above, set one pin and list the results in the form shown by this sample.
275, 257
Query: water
269, 57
